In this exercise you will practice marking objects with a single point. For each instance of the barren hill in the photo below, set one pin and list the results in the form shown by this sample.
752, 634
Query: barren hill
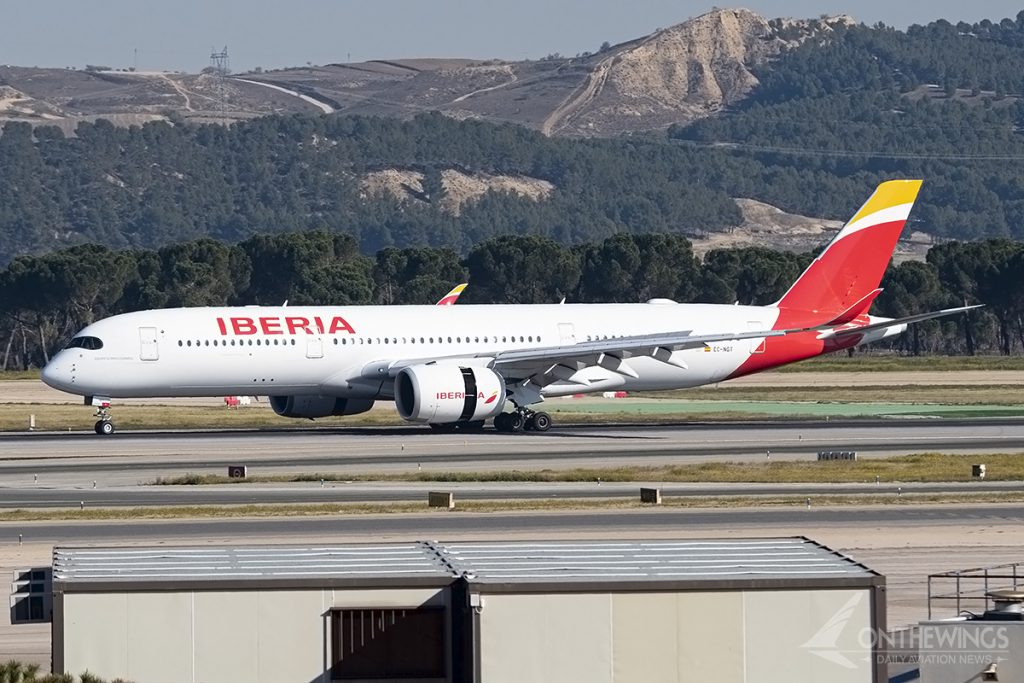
767, 226
458, 187
674, 75
677, 74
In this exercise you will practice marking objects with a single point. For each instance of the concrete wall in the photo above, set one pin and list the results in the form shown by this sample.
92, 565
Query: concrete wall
764, 636
227, 637
280, 636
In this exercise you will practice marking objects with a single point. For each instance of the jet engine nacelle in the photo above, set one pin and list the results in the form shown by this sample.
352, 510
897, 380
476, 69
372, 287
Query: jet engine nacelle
310, 406
440, 394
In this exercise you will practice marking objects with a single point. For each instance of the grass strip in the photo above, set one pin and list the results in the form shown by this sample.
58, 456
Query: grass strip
886, 363
920, 467
920, 394
19, 374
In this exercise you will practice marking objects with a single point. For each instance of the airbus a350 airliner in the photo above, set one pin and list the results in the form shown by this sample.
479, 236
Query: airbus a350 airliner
458, 366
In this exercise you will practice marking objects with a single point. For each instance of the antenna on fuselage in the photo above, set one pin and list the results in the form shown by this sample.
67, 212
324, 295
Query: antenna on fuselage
285, 304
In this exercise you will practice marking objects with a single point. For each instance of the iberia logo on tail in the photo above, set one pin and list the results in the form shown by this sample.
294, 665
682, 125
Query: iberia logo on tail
451, 297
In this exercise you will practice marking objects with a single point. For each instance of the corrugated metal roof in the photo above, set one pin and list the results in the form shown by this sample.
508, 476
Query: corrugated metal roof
649, 560
519, 562
240, 562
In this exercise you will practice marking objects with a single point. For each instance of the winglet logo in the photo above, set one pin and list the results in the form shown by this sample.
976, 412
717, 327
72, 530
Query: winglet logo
491, 399
825, 643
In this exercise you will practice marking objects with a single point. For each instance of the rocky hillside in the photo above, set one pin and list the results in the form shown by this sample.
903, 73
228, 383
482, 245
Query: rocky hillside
457, 188
675, 75
678, 74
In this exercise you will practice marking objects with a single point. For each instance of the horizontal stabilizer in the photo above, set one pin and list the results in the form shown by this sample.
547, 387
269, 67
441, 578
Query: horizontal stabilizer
852, 313
898, 321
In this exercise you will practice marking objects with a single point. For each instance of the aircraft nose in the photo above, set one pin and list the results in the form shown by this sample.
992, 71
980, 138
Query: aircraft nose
55, 374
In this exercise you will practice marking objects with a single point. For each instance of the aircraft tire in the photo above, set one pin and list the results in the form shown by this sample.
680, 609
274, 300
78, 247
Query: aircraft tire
501, 422
516, 422
541, 422
104, 427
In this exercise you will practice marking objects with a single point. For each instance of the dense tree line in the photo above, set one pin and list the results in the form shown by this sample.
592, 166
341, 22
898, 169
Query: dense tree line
144, 187
985, 56
833, 117
45, 299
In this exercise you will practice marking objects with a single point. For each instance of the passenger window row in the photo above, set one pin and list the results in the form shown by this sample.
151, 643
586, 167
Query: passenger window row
354, 340
241, 342
432, 340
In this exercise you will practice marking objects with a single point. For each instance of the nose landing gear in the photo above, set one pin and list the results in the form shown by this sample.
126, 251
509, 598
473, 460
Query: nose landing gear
104, 425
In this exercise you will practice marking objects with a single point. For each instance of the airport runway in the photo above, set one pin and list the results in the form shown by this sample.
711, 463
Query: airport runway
440, 524
144, 455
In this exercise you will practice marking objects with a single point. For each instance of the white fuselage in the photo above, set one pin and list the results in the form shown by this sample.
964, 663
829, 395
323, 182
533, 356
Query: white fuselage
326, 350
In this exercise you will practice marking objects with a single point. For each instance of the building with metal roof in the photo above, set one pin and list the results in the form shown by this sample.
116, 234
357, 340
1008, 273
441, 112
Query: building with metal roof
783, 609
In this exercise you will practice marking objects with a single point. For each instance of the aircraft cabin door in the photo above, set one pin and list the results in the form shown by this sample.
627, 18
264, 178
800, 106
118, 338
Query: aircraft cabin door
315, 347
566, 334
148, 349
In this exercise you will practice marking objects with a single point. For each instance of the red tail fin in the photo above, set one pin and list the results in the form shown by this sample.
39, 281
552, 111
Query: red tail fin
850, 268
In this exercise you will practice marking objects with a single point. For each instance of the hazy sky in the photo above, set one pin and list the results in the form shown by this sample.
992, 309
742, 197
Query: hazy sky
275, 33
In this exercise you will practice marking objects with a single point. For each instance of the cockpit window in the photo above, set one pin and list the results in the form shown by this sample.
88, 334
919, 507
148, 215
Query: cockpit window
89, 343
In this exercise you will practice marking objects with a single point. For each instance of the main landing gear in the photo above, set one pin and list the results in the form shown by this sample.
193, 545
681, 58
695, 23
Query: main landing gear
104, 425
522, 419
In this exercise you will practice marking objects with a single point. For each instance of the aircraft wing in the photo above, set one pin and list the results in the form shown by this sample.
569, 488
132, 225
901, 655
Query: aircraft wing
522, 363
548, 363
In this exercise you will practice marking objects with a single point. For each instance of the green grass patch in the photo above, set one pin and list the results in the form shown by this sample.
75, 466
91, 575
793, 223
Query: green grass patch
19, 374
921, 467
920, 394
887, 363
